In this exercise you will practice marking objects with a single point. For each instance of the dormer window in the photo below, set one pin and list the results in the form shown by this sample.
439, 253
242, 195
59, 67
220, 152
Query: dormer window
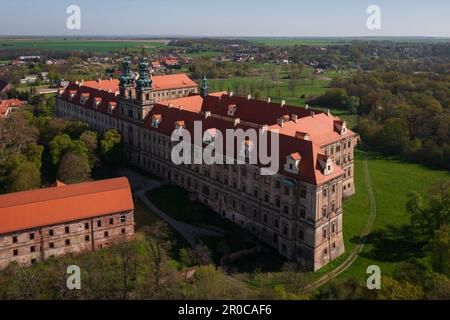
302, 136
179, 125
72, 94
340, 127
97, 102
326, 162
112, 106
84, 98
232, 110
156, 120
293, 163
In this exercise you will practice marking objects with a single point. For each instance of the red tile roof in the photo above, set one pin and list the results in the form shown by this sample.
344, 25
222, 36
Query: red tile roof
10, 103
167, 82
55, 205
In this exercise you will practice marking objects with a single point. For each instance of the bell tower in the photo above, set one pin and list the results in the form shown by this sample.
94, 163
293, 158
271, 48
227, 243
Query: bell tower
204, 90
126, 85
144, 91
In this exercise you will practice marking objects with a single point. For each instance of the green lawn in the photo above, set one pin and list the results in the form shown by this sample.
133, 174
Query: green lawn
392, 240
78, 45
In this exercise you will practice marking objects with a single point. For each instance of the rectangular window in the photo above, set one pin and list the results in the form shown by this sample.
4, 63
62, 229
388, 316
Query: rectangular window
67, 230
32, 236
51, 233
86, 238
123, 230
106, 234
67, 242
86, 226
99, 223
123, 219
51, 245
15, 252
111, 221
32, 249
14, 239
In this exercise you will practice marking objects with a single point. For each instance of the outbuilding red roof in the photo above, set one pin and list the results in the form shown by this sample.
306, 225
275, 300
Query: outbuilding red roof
63, 203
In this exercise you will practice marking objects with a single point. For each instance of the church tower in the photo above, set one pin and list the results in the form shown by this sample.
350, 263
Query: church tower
144, 91
204, 90
126, 86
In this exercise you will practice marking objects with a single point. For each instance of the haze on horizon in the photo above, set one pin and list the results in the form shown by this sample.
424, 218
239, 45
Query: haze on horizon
233, 18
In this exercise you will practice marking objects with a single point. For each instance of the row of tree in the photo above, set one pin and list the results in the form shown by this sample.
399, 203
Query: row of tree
400, 114
36, 150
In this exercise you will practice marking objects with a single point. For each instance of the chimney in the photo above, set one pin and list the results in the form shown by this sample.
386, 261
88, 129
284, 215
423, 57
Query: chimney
294, 118
269, 100
249, 97
283, 102
231, 93
99, 80
237, 121
170, 105
207, 114
313, 114
307, 107
329, 112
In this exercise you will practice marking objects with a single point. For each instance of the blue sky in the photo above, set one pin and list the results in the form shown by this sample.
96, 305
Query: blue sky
227, 17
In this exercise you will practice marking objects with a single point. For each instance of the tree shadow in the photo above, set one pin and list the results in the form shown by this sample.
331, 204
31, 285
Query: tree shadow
393, 244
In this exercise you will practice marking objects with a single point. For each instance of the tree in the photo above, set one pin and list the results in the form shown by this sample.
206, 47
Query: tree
111, 147
90, 139
434, 212
63, 144
439, 247
25, 176
74, 168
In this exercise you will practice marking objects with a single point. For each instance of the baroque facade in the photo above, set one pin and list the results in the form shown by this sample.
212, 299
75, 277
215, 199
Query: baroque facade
298, 210
52, 222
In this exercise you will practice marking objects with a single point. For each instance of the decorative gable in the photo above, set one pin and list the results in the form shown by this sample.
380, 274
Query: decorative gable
293, 163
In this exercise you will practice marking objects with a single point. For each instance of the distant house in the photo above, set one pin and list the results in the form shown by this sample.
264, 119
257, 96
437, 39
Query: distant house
9, 106
29, 79
62, 83
4, 86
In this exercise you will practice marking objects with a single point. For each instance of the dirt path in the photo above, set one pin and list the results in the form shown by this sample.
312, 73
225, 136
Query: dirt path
187, 231
359, 248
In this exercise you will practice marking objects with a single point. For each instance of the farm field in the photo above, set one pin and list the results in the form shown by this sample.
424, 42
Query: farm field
100, 46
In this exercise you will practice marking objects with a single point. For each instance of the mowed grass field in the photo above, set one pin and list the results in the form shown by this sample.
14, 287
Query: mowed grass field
392, 239
100, 46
